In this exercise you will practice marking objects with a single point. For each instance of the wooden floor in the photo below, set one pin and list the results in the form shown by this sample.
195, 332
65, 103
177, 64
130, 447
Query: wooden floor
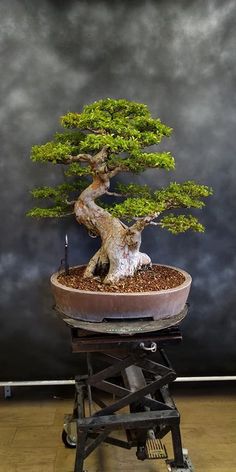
31, 425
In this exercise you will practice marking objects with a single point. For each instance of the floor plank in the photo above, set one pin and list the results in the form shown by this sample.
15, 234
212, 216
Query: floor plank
31, 425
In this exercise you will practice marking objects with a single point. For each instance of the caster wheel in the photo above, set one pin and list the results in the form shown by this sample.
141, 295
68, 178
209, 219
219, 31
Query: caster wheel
68, 442
141, 453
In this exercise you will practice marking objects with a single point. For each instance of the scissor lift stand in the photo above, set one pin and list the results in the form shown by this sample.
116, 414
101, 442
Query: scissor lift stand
137, 373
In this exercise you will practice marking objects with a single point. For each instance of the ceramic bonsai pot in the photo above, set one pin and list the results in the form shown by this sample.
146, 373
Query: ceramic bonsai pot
100, 306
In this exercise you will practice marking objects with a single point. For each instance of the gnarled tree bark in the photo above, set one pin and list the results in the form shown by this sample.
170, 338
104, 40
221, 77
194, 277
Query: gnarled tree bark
119, 255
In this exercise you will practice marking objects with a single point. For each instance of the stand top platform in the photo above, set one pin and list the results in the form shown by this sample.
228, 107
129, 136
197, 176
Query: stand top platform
128, 328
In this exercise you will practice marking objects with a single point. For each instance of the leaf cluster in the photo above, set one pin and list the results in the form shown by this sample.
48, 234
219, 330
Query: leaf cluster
54, 152
188, 194
53, 212
181, 223
123, 126
136, 208
61, 197
142, 202
117, 116
77, 169
134, 190
139, 161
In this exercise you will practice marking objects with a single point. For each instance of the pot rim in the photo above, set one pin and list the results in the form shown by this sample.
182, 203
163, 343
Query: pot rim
186, 283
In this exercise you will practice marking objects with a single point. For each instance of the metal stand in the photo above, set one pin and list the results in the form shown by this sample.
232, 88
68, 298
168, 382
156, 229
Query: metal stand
137, 382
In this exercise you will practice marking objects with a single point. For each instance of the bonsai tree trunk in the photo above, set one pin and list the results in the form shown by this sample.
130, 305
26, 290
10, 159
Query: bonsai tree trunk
119, 255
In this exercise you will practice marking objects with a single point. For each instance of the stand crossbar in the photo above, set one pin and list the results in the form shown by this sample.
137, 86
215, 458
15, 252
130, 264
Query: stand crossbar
139, 382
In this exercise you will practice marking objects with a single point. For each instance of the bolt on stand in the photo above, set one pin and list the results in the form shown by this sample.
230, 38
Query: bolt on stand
138, 377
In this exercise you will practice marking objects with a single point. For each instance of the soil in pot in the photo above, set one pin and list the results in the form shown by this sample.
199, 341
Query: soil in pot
154, 278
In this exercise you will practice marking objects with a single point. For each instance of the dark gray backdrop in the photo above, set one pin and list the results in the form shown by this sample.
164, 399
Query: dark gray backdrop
179, 58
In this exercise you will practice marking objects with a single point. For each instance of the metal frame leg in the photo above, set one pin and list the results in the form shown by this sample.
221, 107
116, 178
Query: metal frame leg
177, 446
80, 449
79, 413
79, 408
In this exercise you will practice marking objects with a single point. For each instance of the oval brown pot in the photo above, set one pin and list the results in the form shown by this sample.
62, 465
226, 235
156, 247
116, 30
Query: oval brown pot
97, 306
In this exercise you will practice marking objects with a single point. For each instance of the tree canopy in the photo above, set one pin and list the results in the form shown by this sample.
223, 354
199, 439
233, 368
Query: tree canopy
110, 136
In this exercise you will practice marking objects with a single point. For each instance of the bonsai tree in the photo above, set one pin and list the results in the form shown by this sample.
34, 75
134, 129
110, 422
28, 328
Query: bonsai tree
107, 138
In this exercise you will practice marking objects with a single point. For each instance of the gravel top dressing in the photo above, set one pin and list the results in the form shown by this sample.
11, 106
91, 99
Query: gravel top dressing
152, 279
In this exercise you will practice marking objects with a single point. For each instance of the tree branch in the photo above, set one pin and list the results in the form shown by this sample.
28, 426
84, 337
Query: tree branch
70, 202
78, 158
100, 156
115, 171
140, 224
115, 194
96, 131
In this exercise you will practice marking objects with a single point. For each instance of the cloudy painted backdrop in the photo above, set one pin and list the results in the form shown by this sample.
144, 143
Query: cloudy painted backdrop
179, 58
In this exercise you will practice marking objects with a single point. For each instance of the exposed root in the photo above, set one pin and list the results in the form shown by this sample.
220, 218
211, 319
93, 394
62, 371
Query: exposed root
126, 267
98, 265
145, 260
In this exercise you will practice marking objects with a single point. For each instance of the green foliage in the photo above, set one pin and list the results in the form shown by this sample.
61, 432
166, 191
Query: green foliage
139, 161
60, 193
115, 144
100, 113
54, 152
76, 169
71, 137
144, 160
136, 208
53, 212
187, 194
61, 196
47, 192
181, 223
115, 118
134, 190
113, 106
143, 202
123, 126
